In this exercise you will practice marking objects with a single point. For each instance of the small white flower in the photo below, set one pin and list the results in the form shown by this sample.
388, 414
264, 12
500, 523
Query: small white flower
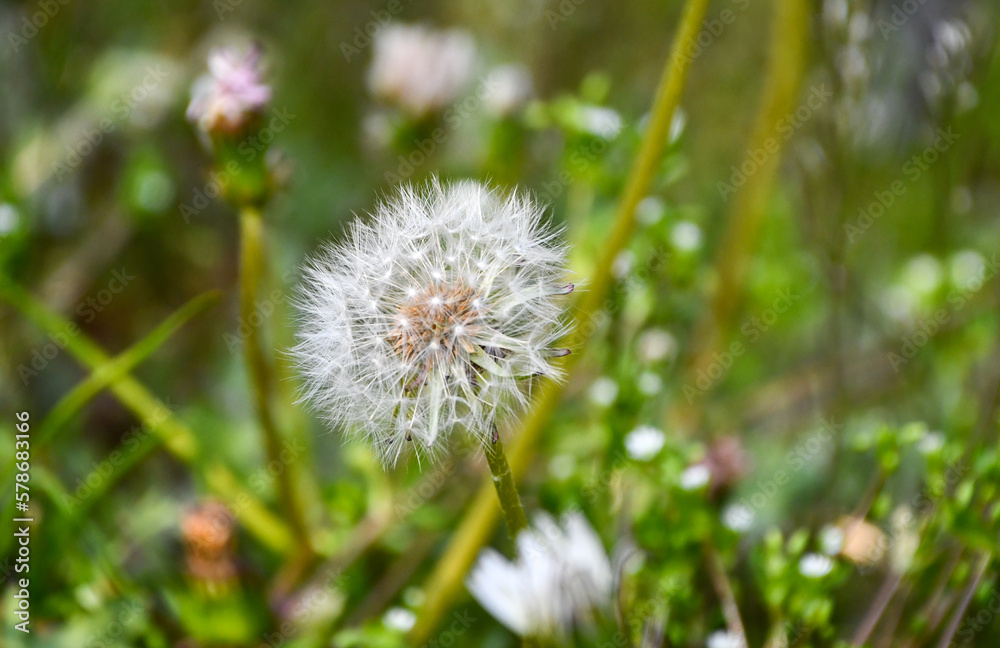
831, 540
508, 87
649, 383
644, 442
562, 466
922, 274
686, 236
967, 269
677, 125
656, 344
600, 122
724, 639
930, 443
859, 28
420, 69
650, 210
623, 264
694, 477
231, 94
433, 316
399, 619
9, 218
737, 517
835, 12
561, 576
603, 391
814, 565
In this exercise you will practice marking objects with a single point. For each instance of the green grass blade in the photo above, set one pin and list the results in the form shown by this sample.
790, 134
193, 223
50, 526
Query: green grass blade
109, 373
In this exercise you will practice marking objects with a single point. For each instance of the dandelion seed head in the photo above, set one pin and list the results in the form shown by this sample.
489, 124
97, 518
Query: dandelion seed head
402, 349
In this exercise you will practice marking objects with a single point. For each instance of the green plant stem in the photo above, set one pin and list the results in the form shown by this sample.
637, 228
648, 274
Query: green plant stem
175, 436
445, 581
73, 402
786, 65
261, 380
963, 604
503, 481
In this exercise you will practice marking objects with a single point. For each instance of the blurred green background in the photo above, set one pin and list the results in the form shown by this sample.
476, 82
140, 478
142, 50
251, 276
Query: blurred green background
107, 217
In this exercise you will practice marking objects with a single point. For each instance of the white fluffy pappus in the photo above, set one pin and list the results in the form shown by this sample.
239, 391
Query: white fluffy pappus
562, 575
433, 315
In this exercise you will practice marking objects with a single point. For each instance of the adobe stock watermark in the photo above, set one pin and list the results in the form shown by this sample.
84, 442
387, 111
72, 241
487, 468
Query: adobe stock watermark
913, 170
113, 634
88, 310
305, 607
129, 443
31, 25
898, 17
460, 624
263, 309
752, 329
973, 624
785, 127
253, 146
121, 108
579, 161
564, 10
801, 454
365, 34
927, 327
920, 504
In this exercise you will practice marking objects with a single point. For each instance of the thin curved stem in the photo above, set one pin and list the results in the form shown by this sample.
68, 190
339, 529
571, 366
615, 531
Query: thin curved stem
503, 481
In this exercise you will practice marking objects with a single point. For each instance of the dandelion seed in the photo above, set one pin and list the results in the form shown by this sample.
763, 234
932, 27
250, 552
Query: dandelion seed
227, 98
401, 345
562, 575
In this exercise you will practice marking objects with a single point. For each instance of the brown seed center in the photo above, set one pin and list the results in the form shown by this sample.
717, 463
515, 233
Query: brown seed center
434, 323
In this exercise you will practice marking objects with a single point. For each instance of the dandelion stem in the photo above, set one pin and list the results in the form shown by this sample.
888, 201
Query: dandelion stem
503, 480
251, 271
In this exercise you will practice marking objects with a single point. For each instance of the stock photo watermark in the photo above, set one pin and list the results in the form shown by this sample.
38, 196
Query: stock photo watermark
34, 22
88, 309
122, 108
913, 170
785, 127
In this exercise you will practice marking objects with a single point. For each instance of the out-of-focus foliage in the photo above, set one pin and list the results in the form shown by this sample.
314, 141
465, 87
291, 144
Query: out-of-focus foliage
830, 463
